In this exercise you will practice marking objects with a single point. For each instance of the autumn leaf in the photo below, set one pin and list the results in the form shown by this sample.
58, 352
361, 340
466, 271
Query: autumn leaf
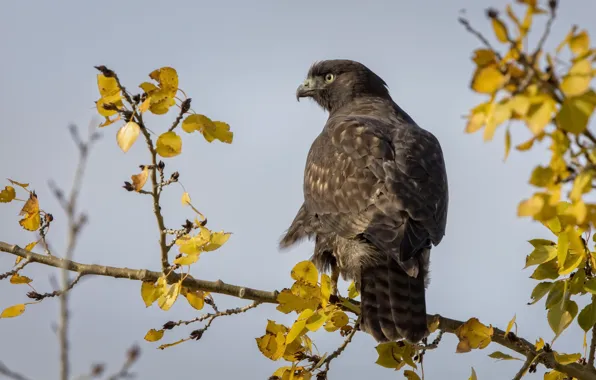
510, 325
18, 279
560, 318
411, 375
487, 79
148, 293
473, 334
169, 144
30, 212
272, 345
127, 135
541, 254
187, 259
216, 240
221, 132
539, 344
160, 98
577, 81
352, 292
579, 43
566, 358
540, 113
13, 311
587, 317
336, 321
8, 194
502, 356
139, 180
305, 271
195, 298
167, 299
540, 291
154, 335
185, 198
575, 114
500, 30
507, 143
110, 94
473, 375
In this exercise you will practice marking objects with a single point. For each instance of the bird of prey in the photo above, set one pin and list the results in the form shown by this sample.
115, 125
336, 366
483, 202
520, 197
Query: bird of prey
375, 198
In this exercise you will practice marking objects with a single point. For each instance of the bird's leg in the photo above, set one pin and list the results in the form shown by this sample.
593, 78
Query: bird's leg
334, 279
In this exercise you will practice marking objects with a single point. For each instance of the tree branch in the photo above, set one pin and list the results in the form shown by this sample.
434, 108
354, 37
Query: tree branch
10, 374
448, 325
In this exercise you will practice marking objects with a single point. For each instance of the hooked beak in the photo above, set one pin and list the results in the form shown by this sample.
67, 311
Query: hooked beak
306, 89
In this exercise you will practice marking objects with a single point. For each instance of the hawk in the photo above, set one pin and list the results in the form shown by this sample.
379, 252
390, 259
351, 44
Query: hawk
375, 198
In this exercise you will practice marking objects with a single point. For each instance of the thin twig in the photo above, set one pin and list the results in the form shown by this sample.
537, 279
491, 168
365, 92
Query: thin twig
522, 371
10, 374
131, 357
237, 310
15, 270
38, 297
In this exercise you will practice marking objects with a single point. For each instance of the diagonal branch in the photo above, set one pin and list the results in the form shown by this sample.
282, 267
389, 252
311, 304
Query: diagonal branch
4, 370
448, 325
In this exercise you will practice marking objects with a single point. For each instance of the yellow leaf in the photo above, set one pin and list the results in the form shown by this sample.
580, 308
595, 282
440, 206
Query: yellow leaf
139, 180
352, 292
577, 81
510, 325
13, 311
144, 107
216, 240
488, 79
507, 143
473, 375
221, 132
541, 254
164, 346
542, 176
395, 355
104, 101
411, 375
581, 185
317, 320
107, 85
8, 194
562, 248
148, 293
18, 279
154, 335
539, 344
109, 121
473, 334
127, 135
187, 260
502, 356
195, 298
566, 358
325, 288
477, 117
299, 326
23, 185
185, 198
580, 43
272, 345
497, 114
193, 244
554, 375
148, 87
30, 212
305, 271
500, 30
559, 319
575, 114
169, 144
520, 104
336, 321
167, 78
484, 57
289, 302
196, 122
166, 300
540, 113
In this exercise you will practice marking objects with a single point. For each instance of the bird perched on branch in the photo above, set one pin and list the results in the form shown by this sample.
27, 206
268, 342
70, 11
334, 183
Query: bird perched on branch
375, 197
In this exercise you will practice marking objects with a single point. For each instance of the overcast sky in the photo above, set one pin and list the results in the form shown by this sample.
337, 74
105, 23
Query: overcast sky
241, 63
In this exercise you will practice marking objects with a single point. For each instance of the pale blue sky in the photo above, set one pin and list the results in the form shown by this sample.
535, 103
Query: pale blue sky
241, 62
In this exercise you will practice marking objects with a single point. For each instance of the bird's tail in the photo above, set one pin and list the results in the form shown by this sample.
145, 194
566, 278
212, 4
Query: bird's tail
393, 303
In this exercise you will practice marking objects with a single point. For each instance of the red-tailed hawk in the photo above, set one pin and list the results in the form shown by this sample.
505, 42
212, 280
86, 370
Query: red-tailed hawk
375, 197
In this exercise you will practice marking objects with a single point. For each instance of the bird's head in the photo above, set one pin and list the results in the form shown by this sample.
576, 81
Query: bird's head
334, 83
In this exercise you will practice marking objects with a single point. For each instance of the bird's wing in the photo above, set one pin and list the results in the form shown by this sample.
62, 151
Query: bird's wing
367, 176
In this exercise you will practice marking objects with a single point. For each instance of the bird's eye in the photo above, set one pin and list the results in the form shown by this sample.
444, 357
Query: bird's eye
329, 78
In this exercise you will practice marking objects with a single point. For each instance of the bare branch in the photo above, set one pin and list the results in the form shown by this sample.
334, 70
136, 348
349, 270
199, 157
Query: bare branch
131, 357
15, 270
10, 374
